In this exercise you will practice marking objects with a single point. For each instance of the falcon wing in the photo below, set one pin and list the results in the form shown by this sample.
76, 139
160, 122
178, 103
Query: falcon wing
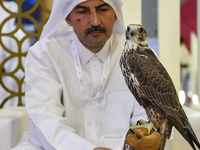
156, 85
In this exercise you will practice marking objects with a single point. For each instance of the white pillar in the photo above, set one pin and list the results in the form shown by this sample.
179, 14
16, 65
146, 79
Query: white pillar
194, 62
132, 11
169, 38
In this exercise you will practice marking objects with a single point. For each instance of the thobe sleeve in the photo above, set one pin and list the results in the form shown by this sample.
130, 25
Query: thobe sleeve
43, 103
138, 113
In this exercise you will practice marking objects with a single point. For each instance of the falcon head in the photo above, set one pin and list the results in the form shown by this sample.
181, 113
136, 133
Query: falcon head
137, 34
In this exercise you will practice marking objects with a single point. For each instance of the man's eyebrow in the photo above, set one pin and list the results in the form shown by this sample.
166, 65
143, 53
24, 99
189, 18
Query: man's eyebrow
102, 5
84, 7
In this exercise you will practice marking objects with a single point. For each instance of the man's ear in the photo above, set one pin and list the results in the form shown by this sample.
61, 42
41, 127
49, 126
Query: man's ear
68, 20
115, 17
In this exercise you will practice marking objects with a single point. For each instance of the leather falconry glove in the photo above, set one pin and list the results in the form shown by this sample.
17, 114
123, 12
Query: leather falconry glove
140, 140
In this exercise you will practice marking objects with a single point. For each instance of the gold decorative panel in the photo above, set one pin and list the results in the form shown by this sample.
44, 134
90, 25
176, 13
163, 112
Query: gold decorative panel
15, 39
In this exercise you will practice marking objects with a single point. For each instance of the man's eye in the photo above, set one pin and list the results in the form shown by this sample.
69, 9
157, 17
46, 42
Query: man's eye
82, 12
103, 10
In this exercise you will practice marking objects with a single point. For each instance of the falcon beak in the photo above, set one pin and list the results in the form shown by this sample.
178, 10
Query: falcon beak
133, 32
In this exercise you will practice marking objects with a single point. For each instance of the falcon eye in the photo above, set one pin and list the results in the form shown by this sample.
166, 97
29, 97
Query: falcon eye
141, 30
128, 28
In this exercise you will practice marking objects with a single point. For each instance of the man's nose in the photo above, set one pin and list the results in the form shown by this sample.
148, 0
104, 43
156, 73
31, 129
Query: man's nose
94, 18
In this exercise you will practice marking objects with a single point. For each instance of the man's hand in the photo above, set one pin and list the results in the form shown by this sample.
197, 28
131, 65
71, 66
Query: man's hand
141, 141
101, 148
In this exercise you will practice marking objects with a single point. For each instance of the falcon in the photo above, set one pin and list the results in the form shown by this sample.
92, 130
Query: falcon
151, 85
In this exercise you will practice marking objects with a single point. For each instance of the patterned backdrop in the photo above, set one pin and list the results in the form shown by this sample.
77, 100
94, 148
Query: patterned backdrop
21, 23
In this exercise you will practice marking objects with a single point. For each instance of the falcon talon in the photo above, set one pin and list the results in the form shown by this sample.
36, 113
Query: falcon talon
132, 131
138, 123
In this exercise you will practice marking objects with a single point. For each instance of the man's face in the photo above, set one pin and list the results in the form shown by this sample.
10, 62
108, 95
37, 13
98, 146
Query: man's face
93, 22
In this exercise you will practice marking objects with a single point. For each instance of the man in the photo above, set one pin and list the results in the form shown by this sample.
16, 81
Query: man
77, 98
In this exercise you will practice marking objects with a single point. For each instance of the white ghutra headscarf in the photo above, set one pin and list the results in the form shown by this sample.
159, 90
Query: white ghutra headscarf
57, 26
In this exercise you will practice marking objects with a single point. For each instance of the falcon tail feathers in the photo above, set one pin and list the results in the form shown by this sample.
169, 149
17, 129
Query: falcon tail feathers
190, 136
193, 136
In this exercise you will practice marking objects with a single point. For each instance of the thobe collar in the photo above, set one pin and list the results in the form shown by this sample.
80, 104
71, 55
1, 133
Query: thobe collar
85, 54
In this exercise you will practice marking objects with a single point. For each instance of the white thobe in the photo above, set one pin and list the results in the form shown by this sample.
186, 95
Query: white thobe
63, 117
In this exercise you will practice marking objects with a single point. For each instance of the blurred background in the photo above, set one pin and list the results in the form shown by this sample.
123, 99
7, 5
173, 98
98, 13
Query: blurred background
187, 84
171, 27
21, 23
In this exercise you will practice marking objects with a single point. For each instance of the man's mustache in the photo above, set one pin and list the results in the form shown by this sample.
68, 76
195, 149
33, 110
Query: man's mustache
95, 28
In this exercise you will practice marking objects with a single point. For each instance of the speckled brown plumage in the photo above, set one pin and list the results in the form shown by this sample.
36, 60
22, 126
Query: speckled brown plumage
152, 86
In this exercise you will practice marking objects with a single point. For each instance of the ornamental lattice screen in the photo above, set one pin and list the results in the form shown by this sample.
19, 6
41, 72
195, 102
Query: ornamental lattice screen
19, 29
